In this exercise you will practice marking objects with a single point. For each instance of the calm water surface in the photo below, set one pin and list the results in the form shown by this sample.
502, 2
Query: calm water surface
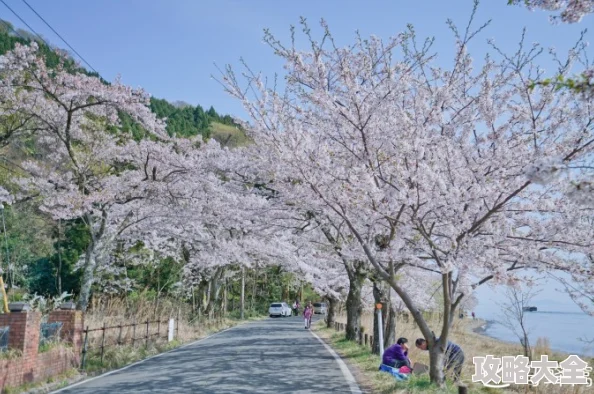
563, 329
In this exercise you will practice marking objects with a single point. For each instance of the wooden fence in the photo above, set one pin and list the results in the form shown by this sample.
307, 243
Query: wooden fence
362, 339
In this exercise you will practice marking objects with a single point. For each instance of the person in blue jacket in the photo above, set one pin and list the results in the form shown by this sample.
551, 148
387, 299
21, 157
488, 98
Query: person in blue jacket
454, 356
397, 355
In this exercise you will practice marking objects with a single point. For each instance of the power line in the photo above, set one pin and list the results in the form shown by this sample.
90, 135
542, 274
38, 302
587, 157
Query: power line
26, 24
58, 34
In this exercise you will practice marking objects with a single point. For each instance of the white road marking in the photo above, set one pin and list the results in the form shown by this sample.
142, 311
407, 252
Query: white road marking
348, 376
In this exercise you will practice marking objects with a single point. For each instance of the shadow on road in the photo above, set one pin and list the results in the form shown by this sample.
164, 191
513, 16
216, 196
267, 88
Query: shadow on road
271, 356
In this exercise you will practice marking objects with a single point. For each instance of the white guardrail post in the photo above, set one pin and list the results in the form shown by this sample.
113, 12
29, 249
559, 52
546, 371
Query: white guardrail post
170, 330
380, 330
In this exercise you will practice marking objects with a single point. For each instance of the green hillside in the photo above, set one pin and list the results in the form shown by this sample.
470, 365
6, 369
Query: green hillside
183, 120
228, 135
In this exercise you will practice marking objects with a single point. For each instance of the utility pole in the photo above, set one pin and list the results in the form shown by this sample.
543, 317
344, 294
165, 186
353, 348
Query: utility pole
242, 291
2, 289
59, 257
380, 325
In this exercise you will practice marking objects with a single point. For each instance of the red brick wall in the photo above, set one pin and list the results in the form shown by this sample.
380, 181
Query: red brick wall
24, 334
72, 328
55, 361
20, 370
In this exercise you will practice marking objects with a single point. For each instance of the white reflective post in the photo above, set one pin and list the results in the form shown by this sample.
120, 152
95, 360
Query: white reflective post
380, 330
170, 330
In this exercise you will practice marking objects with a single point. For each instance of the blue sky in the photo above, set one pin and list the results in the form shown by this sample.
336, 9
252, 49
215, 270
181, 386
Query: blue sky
170, 47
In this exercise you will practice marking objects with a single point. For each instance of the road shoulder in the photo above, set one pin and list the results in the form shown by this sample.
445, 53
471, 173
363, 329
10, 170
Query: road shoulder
347, 370
361, 364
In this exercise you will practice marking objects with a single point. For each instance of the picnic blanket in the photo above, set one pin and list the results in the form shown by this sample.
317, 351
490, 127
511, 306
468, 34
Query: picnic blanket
393, 371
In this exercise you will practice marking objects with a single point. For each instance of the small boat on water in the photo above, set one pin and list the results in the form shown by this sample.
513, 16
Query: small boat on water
529, 309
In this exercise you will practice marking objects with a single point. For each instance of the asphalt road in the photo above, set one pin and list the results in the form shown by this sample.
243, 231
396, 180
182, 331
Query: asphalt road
276, 355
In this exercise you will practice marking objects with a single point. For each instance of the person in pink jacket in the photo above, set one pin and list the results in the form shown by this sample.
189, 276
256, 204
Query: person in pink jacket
307, 314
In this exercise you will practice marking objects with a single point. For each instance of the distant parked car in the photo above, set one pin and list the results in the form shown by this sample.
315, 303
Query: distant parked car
320, 308
279, 309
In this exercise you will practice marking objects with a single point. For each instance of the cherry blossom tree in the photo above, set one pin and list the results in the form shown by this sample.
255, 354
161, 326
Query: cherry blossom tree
583, 85
308, 232
571, 11
80, 167
181, 199
426, 165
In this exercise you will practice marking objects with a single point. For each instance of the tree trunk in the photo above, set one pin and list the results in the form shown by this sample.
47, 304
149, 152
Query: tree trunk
215, 298
88, 278
354, 306
526, 346
203, 297
331, 315
242, 306
252, 302
436, 364
225, 296
378, 297
390, 324
288, 297
208, 299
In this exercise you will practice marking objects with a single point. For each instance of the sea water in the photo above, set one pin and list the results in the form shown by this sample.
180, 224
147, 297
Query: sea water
558, 318
566, 331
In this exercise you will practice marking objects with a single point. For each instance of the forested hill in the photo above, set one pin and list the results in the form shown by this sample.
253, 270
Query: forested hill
183, 119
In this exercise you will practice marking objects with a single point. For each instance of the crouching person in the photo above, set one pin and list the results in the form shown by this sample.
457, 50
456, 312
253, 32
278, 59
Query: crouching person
397, 355
454, 356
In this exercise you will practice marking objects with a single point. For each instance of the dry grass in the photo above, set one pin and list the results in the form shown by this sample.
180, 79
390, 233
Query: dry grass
10, 354
113, 312
473, 345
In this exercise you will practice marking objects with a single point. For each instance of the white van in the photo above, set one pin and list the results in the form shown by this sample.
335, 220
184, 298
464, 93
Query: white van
320, 308
279, 309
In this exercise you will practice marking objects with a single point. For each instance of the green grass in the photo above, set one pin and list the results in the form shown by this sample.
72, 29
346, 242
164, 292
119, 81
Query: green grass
227, 135
381, 382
